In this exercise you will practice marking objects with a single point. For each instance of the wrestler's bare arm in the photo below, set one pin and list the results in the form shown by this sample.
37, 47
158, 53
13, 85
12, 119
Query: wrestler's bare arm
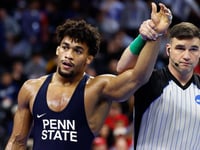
124, 85
23, 117
121, 87
149, 29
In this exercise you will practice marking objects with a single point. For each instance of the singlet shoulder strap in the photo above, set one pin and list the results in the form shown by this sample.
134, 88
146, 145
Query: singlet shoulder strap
41, 94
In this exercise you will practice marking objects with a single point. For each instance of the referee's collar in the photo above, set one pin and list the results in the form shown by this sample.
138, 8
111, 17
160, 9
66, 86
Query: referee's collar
172, 77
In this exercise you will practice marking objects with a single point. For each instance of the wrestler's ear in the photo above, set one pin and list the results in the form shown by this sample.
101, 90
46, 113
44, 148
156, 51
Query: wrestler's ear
89, 59
57, 49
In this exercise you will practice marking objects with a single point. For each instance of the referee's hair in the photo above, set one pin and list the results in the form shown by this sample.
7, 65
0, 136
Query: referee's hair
184, 30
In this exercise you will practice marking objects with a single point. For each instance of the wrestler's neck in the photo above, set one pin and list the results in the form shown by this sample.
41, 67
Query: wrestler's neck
67, 80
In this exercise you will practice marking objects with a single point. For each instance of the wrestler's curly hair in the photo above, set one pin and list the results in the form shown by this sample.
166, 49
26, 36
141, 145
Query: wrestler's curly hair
80, 31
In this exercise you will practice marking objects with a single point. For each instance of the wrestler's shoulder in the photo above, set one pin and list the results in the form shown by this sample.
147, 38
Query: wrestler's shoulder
35, 82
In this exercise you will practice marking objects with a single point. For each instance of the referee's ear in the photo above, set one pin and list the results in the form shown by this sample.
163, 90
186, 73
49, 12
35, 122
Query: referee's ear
168, 50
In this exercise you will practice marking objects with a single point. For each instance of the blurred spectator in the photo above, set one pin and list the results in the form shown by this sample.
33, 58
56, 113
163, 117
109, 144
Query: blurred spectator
111, 11
107, 133
118, 124
111, 51
120, 144
11, 30
122, 140
36, 66
11, 26
2, 44
8, 101
187, 7
8, 90
122, 129
18, 47
19, 10
134, 13
55, 16
117, 43
74, 10
99, 143
116, 116
18, 74
35, 25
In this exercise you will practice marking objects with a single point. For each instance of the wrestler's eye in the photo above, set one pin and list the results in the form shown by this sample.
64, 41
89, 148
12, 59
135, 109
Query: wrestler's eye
78, 50
65, 47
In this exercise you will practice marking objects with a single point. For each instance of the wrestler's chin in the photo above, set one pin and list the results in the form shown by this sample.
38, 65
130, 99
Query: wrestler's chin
65, 73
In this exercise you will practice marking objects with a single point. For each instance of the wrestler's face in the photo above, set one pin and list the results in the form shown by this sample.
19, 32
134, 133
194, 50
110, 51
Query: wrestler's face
183, 54
73, 57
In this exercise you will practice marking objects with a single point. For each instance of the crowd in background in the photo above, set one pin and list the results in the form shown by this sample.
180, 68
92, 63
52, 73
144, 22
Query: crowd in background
28, 44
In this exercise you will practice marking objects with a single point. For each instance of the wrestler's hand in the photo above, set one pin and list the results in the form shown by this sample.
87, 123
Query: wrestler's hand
158, 24
161, 19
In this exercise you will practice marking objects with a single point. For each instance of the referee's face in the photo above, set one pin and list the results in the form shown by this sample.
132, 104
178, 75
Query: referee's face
184, 54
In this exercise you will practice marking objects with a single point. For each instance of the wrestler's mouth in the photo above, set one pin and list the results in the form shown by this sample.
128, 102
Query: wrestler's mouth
67, 64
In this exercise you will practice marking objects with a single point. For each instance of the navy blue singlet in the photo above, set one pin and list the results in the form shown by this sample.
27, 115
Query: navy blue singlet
65, 130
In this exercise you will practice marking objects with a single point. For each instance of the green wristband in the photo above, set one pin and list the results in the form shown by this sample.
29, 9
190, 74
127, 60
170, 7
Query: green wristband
137, 44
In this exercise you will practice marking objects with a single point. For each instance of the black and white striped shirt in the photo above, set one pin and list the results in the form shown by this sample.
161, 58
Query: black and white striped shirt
167, 114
